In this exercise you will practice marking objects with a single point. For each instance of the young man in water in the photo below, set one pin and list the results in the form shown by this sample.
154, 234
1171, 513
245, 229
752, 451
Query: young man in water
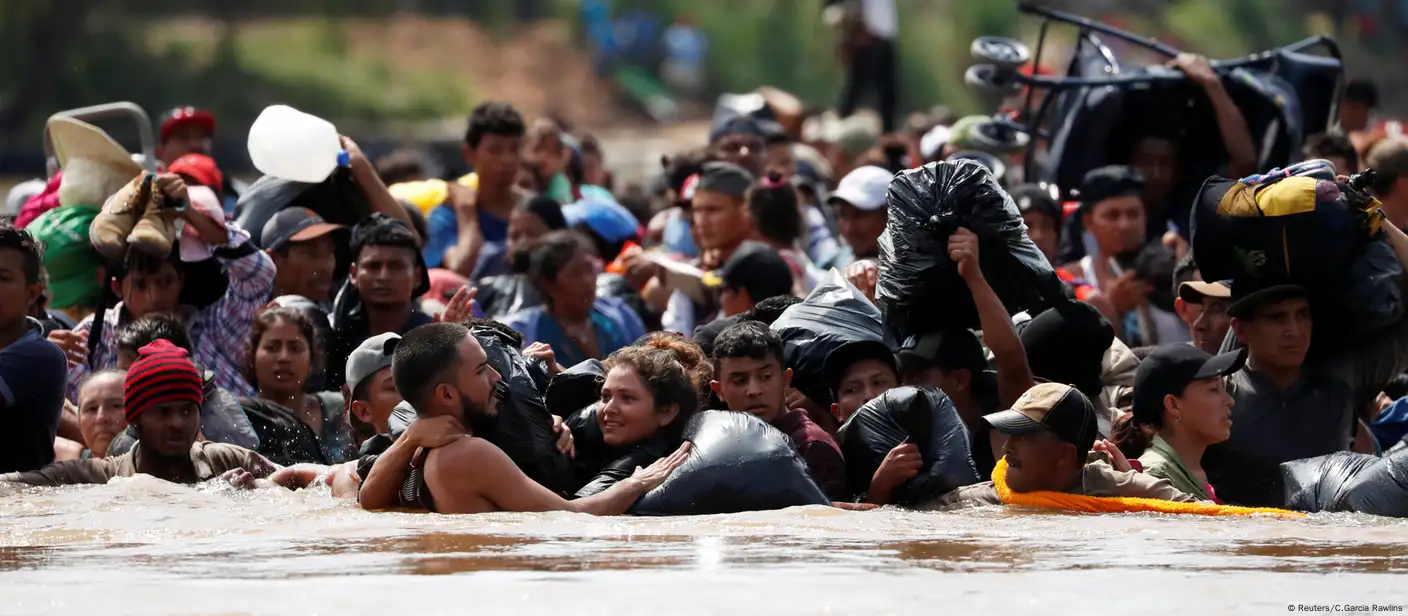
1050, 432
162, 398
443, 372
388, 273
31, 369
748, 361
1288, 407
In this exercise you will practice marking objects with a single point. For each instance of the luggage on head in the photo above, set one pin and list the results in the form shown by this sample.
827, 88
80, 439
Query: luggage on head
523, 426
834, 314
919, 288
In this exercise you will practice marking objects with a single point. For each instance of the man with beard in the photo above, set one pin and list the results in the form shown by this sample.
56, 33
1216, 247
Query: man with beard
445, 374
162, 399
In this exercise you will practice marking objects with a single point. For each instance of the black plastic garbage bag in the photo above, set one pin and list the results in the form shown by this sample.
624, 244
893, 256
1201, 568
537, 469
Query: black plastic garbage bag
924, 417
523, 427
919, 289
1367, 298
1382, 488
1321, 483
576, 388
834, 314
500, 296
337, 199
738, 463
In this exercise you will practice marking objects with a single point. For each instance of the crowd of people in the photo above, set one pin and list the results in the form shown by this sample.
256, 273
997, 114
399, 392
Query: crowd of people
144, 330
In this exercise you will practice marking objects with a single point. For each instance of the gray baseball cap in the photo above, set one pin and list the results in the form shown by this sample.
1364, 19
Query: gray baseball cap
372, 356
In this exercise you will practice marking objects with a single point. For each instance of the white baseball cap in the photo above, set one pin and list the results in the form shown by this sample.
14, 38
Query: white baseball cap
864, 188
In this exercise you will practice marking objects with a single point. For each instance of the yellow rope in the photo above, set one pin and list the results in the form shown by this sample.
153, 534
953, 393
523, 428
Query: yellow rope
1113, 504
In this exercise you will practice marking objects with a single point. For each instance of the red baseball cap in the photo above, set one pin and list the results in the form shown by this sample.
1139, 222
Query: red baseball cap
200, 168
182, 116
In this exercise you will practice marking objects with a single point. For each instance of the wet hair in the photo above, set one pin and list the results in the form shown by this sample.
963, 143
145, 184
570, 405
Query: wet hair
769, 310
690, 355
19, 239
550, 254
666, 378
493, 118
1362, 90
403, 165
268, 318
749, 339
425, 357
1325, 145
1134, 438
773, 204
1183, 272
146, 330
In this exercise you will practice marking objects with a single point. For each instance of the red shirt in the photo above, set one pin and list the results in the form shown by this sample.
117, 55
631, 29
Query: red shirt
818, 450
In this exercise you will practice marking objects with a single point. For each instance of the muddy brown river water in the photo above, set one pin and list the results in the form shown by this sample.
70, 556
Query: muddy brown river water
139, 546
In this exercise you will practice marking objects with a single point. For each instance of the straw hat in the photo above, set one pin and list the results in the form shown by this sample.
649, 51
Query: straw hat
75, 139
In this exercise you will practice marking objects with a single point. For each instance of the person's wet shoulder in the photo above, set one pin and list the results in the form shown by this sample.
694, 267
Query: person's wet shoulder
978, 494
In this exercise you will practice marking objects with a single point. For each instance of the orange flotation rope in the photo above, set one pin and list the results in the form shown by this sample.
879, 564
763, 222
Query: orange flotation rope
1115, 504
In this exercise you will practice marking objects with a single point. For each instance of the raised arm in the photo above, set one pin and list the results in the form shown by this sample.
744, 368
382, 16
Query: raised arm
1236, 138
378, 197
1014, 375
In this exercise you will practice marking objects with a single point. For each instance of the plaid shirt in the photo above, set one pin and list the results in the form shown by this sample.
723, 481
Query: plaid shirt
219, 332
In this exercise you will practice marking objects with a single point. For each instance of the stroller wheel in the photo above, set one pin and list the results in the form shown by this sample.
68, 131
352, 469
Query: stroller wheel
999, 137
990, 79
1000, 51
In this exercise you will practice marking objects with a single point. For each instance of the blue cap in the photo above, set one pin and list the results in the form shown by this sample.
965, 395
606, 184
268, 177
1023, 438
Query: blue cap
606, 218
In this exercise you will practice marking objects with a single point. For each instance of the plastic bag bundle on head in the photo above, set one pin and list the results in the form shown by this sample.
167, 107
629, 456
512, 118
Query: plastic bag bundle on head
1345, 481
523, 428
337, 199
924, 417
919, 288
738, 463
834, 314
1297, 226
575, 388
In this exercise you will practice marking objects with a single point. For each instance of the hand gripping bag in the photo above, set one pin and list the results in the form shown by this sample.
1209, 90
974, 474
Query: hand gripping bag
738, 463
919, 288
523, 428
598, 466
834, 314
925, 417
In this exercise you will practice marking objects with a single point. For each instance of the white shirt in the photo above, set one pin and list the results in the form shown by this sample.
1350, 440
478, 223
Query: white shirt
881, 18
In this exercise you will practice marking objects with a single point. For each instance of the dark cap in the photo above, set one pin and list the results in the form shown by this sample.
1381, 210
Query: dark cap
1062, 409
1169, 370
844, 356
1248, 295
1109, 182
382, 227
740, 125
726, 178
298, 224
949, 350
182, 116
1067, 344
756, 268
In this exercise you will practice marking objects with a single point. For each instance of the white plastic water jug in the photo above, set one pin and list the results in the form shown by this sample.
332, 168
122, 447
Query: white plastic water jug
289, 144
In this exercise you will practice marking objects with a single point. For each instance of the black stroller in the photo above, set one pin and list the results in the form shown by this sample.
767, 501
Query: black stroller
1089, 116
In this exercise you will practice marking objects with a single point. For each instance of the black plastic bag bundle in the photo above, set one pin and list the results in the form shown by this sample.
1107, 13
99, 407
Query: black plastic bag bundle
590, 452
924, 417
1321, 483
834, 314
575, 388
738, 463
523, 428
919, 289
500, 296
337, 199
1381, 488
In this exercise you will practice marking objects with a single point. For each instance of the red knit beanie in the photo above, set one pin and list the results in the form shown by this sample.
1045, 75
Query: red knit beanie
162, 373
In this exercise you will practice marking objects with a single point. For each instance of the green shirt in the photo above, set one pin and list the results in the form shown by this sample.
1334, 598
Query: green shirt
1162, 462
